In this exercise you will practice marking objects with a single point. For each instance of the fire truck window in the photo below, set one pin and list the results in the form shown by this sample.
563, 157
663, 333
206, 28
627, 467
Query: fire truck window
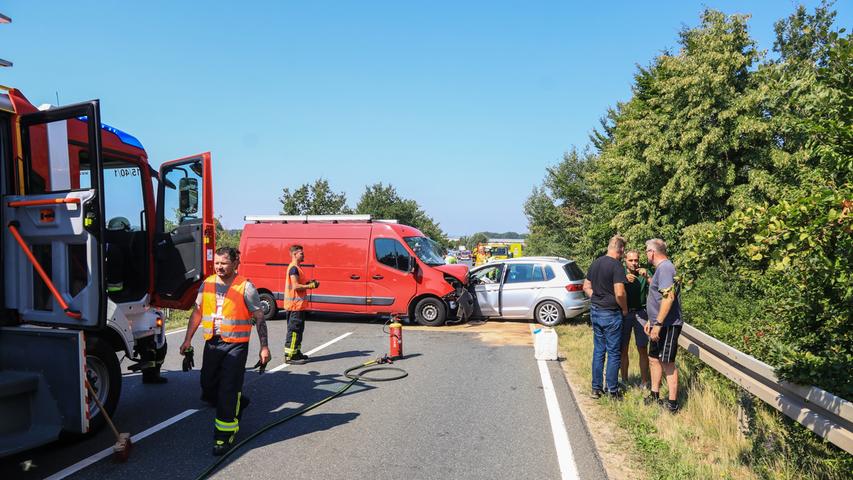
123, 198
182, 198
57, 160
42, 299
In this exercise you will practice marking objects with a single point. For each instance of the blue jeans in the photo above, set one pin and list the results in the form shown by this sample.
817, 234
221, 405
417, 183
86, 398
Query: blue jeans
606, 339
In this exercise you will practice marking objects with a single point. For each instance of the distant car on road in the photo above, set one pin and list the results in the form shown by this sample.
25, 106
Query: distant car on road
464, 255
546, 289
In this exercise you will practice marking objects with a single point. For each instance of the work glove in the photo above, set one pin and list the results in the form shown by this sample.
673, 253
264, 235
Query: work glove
315, 284
188, 363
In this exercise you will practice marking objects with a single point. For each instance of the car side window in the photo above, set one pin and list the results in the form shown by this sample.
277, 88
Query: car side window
549, 273
489, 275
538, 274
390, 252
523, 272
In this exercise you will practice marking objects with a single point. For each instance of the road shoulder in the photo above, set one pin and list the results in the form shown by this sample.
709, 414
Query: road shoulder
608, 438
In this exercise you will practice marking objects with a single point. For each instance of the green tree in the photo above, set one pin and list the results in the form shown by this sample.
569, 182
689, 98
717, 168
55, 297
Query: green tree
383, 201
473, 240
314, 199
557, 211
226, 238
743, 163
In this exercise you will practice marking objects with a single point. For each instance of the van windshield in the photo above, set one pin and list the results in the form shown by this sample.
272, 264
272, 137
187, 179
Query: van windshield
426, 249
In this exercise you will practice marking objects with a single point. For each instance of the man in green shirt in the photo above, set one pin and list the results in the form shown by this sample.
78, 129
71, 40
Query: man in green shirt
636, 290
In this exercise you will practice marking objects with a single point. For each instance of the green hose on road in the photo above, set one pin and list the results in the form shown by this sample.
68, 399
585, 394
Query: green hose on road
354, 377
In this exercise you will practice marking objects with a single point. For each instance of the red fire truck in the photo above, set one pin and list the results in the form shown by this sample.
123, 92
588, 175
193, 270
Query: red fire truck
87, 255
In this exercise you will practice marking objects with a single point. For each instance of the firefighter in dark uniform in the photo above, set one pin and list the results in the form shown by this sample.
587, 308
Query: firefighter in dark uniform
295, 291
226, 308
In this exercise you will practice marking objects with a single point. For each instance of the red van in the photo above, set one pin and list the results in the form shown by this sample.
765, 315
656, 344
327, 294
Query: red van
364, 266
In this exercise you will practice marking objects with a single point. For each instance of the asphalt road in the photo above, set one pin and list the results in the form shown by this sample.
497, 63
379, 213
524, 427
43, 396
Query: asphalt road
475, 405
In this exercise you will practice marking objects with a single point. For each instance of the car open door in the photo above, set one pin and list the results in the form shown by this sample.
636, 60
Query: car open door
487, 283
185, 232
54, 227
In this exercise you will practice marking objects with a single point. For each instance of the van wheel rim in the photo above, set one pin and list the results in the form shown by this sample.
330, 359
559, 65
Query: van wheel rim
99, 378
548, 313
429, 312
266, 307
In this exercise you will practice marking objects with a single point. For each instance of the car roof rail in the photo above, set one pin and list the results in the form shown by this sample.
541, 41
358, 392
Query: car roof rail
538, 257
363, 218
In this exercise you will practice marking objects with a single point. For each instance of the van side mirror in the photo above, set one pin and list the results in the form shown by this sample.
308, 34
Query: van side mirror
188, 196
413, 265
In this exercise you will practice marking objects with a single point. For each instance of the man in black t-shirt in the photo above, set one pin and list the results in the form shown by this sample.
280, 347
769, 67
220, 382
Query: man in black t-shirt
605, 286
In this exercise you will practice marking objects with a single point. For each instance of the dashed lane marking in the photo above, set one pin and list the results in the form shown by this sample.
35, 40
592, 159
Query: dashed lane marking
109, 451
160, 426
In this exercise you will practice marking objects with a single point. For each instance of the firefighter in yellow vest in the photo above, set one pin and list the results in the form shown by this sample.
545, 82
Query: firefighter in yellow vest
295, 292
226, 307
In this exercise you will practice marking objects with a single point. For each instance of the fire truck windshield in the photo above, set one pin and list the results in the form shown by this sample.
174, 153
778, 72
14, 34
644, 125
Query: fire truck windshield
122, 192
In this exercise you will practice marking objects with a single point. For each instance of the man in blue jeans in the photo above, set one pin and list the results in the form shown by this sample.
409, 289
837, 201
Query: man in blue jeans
605, 286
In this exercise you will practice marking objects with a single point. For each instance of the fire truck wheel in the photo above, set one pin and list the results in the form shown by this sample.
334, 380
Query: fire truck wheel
430, 312
104, 374
268, 305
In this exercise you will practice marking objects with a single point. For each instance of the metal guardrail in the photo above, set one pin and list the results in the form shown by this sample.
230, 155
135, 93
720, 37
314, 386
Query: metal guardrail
823, 413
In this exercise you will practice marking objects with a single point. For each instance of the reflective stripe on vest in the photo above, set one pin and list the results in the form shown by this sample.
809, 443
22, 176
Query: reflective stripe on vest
236, 324
294, 300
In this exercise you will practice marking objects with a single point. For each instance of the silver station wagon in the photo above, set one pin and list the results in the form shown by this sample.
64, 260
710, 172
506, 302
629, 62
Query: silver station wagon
546, 289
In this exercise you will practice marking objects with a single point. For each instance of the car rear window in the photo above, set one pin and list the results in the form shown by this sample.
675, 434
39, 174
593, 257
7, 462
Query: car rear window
573, 271
524, 272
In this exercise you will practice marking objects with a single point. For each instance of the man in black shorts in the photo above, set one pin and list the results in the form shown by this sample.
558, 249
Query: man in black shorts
663, 306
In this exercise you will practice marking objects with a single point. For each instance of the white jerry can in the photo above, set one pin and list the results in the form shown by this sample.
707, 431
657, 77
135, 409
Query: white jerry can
545, 343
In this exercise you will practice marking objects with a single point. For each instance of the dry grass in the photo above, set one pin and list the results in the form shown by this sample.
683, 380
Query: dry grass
701, 441
176, 319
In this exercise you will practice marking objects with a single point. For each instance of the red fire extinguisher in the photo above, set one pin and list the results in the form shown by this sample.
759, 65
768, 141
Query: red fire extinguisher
396, 333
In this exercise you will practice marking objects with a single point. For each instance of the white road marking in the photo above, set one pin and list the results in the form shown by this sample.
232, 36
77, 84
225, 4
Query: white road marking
109, 451
568, 469
176, 331
286, 405
311, 352
139, 436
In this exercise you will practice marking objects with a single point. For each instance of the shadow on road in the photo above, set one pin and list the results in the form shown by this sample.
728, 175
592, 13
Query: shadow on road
183, 450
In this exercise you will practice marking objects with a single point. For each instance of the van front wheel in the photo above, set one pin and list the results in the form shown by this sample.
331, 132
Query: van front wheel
268, 305
430, 312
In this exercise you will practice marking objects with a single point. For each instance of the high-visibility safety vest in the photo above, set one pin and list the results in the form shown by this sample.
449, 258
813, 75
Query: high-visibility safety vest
236, 323
294, 300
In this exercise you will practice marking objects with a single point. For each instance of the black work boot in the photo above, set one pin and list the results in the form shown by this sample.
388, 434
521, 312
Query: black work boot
298, 359
152, 376
222, 443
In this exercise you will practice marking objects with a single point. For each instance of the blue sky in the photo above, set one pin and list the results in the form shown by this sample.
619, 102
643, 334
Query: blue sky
460, 105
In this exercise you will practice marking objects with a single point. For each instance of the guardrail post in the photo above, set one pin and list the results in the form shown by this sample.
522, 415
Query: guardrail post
745, 413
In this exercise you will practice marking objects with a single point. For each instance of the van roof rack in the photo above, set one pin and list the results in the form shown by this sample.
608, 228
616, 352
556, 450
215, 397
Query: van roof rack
315, 219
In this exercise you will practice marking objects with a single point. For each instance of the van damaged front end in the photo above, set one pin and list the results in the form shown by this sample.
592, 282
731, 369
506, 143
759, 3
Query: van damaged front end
459, 300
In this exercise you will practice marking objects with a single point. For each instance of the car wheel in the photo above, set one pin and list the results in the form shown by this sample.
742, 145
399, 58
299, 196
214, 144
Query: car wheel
430, 312
268, 305
550, 313
103, 372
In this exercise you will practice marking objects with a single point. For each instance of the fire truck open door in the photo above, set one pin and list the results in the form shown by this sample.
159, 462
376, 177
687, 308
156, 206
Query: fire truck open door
52, 250
184, 239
